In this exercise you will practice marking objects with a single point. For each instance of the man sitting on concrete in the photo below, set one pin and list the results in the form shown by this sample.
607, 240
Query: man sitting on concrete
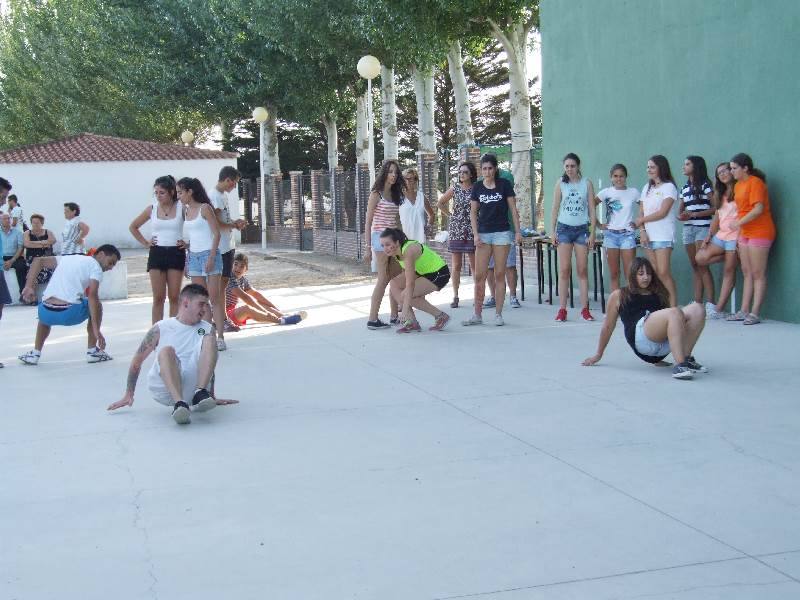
186, 355
71, 298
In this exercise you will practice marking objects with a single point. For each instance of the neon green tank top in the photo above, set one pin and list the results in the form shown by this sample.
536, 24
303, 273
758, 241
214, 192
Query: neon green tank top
428, 261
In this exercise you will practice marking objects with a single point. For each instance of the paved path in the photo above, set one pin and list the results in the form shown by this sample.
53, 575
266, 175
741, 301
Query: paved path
372, 465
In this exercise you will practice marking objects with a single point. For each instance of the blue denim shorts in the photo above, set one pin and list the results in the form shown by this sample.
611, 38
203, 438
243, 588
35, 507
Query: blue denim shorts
694, 233
197, 264
497, 238
659, 246
621, 240
511, 261
74, 314
375, 241
646, 346
727, 245
572, 234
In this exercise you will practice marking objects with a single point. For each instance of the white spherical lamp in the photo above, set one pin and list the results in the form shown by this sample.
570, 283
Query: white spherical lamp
260, 114
369, 67
187, 137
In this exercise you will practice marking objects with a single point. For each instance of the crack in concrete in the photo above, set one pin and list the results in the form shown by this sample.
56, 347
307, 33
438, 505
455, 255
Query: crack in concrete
744, 452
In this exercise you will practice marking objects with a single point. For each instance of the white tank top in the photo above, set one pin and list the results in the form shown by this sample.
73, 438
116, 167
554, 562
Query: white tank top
187, 341
167, 231
197, 233
412, 217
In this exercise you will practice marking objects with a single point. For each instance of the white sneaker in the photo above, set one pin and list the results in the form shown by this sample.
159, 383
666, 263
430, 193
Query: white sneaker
473, 320
221, 345
181, 413
711, 311
514, 302
95, 355
498, 320
31, 357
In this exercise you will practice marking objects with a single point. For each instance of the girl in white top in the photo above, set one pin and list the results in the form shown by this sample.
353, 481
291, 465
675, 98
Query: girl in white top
415, 210
619, 240
658, 237
75, 231
167, 256
204, 261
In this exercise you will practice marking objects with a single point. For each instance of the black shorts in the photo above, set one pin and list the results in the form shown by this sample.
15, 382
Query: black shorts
439, 278
165, 258
227, 263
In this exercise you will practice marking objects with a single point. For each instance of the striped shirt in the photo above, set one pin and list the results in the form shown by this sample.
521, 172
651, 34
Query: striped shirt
701, 202
387, 214
235, 283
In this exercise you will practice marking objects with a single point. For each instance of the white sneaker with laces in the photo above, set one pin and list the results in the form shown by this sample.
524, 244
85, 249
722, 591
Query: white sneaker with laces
95, 355
498, 320
514, 302
221, 345
711, 311
31, 357
473, 320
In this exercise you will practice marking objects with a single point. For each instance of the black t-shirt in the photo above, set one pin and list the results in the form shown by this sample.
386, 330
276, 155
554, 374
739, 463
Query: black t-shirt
493, 209
631, 312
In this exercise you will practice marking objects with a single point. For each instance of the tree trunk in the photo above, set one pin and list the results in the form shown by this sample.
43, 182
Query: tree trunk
329, 121
423, 86
272, 163
464, 132
388, 114
362, 132
514, 41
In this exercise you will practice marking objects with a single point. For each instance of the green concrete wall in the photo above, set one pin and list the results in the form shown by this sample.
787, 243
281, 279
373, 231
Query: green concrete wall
623, 80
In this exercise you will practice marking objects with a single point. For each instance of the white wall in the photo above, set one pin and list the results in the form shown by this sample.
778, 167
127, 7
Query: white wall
110, 194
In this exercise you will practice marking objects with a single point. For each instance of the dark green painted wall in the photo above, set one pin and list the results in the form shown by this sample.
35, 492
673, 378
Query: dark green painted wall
625, 79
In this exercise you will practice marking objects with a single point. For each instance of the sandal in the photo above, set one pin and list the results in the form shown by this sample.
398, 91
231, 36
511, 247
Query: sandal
737, 316
751, 319
454, 303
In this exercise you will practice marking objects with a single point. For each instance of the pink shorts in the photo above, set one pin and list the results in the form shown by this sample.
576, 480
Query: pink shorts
755, 242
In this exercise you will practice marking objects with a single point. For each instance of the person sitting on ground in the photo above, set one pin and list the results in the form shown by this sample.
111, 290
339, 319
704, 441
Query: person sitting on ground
256, 307
424, 272
66, 301
186, 354
652, 330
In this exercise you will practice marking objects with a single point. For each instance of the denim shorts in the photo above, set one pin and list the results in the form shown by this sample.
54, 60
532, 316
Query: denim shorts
572, 234
621, 240
375, 241
497, 238
694, 233
660, 245
727, 245
72, 314
197, 264
511, 260
646, 346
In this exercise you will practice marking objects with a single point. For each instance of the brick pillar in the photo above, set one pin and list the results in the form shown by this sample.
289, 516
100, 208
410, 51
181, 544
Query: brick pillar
426, 165
295, 178
318, 216
273, 183
469, 153
362, 199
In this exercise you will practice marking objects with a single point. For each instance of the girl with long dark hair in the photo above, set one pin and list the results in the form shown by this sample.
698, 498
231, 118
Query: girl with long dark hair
619, 236
424, 272
383, 211
167, 253
652, 330
658, 237
572, 213
720, 243
460, 241
204, 261
756, 235
696, 209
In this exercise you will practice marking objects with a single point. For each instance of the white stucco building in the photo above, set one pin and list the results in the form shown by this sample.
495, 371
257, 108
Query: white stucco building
110, 178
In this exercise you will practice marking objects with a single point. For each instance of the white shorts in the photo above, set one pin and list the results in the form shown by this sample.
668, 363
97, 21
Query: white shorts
188, 383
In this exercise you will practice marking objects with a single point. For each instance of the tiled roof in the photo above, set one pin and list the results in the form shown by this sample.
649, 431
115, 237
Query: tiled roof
89, 147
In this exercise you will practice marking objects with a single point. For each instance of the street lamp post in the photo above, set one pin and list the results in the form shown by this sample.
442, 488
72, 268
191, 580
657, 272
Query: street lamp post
369, 68
260, 115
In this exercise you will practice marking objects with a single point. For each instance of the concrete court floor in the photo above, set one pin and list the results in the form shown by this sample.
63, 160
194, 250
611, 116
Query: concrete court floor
472, 463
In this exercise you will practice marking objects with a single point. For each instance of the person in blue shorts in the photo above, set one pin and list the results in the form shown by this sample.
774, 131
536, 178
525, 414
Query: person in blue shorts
71, 297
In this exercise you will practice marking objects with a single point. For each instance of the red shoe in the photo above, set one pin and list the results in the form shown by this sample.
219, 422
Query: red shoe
440, 323
587, 316
561, 316
408, 327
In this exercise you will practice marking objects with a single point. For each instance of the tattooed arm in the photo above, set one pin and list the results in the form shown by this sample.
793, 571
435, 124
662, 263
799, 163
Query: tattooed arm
148, 344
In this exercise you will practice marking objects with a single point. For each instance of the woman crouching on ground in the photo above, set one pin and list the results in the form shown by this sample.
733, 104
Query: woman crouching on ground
424, 272
652, 330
